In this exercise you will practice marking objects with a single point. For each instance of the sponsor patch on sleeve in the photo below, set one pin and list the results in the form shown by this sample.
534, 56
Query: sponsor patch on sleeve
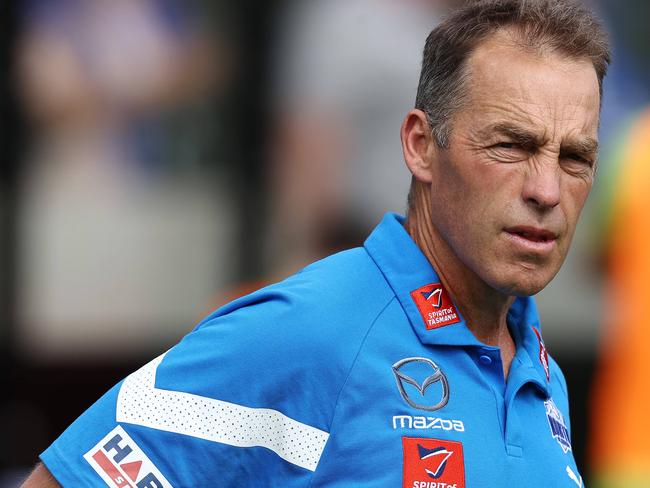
433, 463
435, 306
120, 462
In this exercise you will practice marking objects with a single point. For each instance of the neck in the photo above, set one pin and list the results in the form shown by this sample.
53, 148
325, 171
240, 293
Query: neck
484, 309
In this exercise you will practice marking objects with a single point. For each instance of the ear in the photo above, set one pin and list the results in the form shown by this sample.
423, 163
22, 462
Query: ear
417, 145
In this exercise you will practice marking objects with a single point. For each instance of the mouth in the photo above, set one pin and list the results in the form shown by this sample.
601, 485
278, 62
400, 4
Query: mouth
533, 238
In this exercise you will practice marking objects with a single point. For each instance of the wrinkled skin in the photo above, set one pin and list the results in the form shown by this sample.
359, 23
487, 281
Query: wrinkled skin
521, 157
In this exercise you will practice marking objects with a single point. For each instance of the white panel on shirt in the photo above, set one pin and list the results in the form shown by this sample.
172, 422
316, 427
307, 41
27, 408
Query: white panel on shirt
139, 402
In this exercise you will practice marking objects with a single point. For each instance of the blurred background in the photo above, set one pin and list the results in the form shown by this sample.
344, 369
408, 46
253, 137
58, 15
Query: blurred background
162, 157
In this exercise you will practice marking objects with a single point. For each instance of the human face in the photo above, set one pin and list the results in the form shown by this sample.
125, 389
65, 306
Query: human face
507, 192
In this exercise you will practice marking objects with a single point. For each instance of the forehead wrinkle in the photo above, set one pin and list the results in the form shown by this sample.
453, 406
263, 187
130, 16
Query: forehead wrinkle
511, 118
522, 116
534, 113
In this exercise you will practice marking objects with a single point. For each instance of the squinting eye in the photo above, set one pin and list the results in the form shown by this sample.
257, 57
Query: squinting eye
579, 159
508, 145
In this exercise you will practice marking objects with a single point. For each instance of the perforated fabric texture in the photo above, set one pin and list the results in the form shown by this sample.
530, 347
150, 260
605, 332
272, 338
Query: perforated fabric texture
141, 403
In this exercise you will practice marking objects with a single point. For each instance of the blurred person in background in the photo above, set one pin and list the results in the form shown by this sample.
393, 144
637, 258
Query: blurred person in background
337, 84
327, 377
340, 82
122, 158
119, 172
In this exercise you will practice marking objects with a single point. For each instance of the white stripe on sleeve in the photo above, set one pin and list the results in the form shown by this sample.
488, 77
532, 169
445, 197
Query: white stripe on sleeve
139, 402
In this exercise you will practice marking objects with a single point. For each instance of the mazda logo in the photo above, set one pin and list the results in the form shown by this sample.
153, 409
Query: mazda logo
432, 374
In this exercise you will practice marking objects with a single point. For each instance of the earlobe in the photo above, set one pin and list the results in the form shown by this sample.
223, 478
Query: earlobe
416, 145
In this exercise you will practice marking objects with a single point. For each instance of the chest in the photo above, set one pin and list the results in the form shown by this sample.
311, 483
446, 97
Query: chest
419, 416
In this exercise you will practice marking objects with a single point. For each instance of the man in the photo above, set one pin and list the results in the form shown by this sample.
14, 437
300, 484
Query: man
414, 361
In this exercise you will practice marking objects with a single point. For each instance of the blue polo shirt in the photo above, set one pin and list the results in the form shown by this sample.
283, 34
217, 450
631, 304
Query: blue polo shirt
357, 371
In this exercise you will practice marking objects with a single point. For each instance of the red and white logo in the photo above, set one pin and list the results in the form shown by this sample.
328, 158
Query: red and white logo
121, 463
435, 306
433, 463
543, 354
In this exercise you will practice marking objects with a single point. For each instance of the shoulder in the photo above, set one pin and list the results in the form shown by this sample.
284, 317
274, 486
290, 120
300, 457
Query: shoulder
302, 332
336, 297
263, 371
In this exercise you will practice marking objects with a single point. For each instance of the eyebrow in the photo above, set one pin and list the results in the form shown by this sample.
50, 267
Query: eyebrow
583, 146
587, 146
517, 134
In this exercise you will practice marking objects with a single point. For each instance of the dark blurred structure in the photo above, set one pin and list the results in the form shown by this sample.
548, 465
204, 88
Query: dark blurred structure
161, 156
11, 147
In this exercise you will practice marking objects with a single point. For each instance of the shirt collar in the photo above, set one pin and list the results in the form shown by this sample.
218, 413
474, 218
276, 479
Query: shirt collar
525, 327
406, 270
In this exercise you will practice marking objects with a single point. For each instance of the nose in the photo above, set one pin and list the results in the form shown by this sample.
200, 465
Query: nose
542, 185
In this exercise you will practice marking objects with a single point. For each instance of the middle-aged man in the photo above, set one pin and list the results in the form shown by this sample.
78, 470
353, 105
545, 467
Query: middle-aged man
417, 360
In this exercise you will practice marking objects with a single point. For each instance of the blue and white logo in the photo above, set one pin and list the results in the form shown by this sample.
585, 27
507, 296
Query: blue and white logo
558, 427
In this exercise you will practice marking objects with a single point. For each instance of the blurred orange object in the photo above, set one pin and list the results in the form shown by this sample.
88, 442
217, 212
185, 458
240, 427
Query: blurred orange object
620, 447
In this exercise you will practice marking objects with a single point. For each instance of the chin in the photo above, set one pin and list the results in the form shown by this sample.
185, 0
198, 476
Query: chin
524, 284
525, 289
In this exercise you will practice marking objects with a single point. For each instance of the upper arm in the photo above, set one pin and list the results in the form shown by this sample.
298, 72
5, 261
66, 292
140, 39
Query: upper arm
40, 478
233, 399
243, 397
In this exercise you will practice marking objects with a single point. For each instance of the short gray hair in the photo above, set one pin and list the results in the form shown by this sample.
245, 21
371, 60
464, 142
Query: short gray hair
564, 26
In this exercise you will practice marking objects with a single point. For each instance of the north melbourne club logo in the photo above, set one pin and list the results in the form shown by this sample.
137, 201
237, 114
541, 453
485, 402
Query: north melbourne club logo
433, 463
435, 306
558, 427
120, 462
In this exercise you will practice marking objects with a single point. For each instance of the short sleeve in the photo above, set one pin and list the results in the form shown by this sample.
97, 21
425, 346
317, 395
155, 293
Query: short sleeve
233, 403
247, 399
